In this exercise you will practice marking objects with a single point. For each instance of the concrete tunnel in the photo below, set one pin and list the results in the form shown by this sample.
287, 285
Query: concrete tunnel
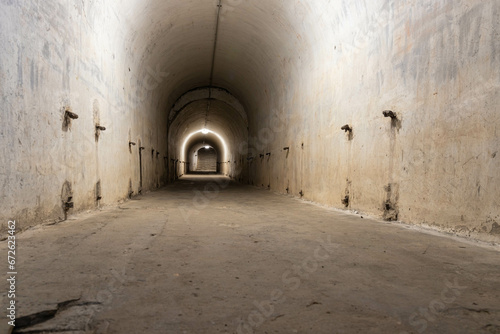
384, 108
261, 76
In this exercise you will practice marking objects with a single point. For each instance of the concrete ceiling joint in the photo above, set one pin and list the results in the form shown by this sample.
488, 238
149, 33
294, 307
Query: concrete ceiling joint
219, 5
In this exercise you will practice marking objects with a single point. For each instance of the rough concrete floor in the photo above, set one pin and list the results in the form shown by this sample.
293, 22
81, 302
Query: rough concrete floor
246, 260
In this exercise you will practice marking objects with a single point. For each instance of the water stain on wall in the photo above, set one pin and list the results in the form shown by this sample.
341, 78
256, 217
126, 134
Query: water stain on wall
66, 198
347, 196
391, 210
97, 118
98, 192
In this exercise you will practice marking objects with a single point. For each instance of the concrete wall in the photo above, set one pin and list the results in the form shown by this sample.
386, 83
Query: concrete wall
436, 64
59, 55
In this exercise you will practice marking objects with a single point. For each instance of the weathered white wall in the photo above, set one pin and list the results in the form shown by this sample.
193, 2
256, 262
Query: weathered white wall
58, 54
295, 72
437, 65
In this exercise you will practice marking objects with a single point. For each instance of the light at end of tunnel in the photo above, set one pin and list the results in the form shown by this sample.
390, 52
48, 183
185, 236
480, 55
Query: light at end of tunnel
204, 131
207, 147
222, 141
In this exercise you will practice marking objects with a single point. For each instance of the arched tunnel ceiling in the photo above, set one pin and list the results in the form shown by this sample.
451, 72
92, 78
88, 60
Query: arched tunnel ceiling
208, 141
199, 140
205, 93
256, 40
219, 117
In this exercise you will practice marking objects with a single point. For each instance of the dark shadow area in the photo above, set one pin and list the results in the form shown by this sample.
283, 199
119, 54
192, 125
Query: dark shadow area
202, 173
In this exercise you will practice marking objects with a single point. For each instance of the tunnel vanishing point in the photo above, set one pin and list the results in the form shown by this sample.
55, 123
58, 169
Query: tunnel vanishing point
250, 166
389, 108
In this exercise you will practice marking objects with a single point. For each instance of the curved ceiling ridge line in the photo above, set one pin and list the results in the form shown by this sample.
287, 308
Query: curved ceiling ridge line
175, 106
204, 133
187, 105
216, 37
201, 93
211, 81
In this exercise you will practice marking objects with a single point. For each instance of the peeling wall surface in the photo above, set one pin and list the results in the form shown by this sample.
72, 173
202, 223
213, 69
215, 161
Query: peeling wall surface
285, 74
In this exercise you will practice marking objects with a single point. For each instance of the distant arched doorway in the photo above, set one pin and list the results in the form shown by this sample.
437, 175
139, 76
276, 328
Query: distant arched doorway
206, 160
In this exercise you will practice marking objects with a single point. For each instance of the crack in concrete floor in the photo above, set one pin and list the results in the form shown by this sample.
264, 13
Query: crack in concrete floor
243, 260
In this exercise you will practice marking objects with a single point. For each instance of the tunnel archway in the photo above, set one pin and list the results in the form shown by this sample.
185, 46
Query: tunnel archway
204, 159
192, 155
207, 160
211, 115
383, 107
157, 71
198, 139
